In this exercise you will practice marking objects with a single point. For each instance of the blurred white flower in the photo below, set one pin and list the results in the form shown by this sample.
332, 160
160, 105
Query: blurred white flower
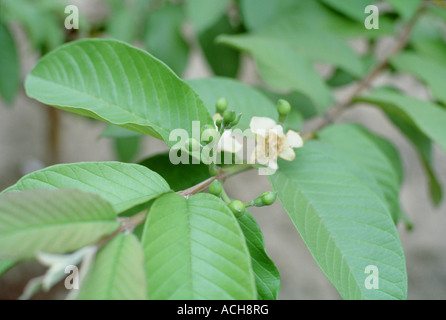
272, 143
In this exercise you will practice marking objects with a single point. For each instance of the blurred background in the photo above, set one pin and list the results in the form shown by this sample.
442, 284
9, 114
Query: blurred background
33, 136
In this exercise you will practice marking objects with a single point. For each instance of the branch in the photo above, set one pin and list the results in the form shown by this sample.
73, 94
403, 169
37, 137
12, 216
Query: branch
366, 81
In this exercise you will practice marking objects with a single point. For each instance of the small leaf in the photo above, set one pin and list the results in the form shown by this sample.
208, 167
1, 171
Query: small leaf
204, 13
224, 61
180, 176
6, 264
195, 249
115, 82
353, 9
123, 185
343, 223
163, 37
117, 273
9, 72
127, 149
266, 273
52, 221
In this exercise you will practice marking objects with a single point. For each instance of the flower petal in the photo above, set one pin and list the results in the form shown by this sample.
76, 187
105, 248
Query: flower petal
261, 125
294, 139
288, 154
228, 143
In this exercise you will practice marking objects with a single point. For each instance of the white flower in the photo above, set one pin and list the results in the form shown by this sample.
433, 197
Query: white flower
227, 142
272, 143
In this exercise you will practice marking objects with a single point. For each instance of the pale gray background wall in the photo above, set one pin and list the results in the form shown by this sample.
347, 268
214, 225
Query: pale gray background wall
23, 145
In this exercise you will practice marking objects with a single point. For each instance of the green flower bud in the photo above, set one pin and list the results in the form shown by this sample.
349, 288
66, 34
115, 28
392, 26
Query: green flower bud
283, 107
237, 207
268, 198
265, 199
228, 117
221, 105
213, 171
216, 188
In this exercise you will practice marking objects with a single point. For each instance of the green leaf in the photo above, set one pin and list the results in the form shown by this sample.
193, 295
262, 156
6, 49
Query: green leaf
180, 176
423, 147
127, 149
112, 131
115, 82
6, 264
195, 249
283, 68
433, 49
426, 70
205, 13
258, 13
405, 8
353, 9
163, 37
241, 98
266, 274
53, 221
428, 117
117, 273
123, 185
9, 72
223, 61
343, 223
372, 159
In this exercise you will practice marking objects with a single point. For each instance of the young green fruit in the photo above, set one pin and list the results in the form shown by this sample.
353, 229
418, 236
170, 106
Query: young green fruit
228, 117
283, 107
237, 207
216, 188
268, 198
221, 105
213, 171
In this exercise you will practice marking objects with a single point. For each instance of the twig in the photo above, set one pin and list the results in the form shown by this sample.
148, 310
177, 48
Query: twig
366, 81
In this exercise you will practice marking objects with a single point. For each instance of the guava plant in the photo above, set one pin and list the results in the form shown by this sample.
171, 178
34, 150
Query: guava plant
166, 227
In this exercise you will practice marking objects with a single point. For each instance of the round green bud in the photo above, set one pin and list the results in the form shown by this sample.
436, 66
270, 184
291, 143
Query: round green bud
228, 116
283, 107
237, 207
221, 105
216, 188
268, 198
192, 145
213, 171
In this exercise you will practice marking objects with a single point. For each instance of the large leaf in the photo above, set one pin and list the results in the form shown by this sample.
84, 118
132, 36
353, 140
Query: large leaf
53, 221
405, 8
195, 249
241, 98
117, 273
179, 176
428, 117
283, 67
163, 37
9, 62
123, 185
430, 72
372, 159
266, 274
115, 82
344, 224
